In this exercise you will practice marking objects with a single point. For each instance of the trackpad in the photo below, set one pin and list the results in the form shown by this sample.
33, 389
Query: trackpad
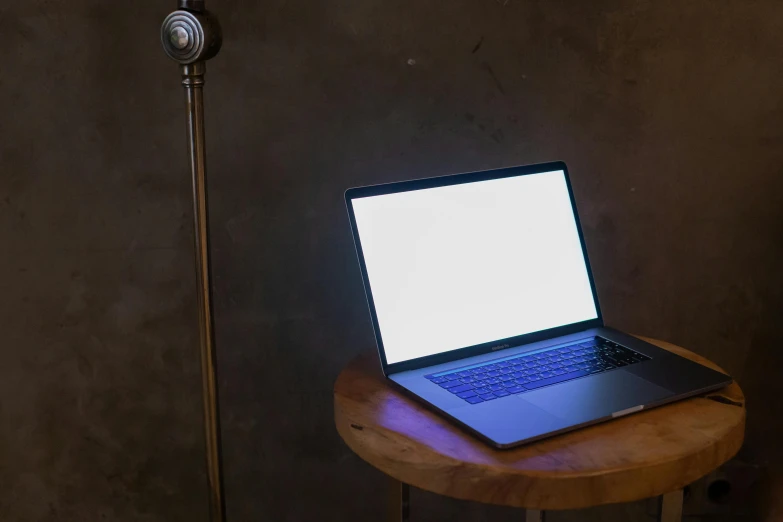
596, 396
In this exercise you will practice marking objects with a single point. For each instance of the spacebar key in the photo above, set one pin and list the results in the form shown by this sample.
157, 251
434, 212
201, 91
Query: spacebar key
555, 380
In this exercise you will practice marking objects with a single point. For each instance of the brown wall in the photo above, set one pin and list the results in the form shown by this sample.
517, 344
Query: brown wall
668, 113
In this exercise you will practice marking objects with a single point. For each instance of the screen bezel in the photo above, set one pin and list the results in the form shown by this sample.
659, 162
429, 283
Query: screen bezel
457, 179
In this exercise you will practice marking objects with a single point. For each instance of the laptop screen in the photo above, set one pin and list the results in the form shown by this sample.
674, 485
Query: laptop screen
460, 265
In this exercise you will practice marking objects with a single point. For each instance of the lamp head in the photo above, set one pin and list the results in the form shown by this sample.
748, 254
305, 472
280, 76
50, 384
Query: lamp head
192, 5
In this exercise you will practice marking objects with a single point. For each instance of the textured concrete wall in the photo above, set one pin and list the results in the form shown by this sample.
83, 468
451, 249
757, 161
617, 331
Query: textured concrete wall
668, 113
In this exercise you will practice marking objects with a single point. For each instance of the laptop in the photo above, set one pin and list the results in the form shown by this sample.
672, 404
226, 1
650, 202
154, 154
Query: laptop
485, 309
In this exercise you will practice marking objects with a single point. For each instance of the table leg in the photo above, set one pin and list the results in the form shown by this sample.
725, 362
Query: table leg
535, 515
671, 507
399, 501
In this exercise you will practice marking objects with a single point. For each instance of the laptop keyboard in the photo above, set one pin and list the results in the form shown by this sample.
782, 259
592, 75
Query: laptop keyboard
521, 373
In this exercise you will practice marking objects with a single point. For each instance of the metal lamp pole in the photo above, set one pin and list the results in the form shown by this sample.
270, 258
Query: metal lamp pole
191, 36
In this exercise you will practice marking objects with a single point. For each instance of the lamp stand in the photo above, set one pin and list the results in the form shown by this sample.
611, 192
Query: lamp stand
191, 36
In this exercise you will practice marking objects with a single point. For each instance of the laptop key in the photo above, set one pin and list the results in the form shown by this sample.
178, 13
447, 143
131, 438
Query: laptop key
516, 389
482, 391
461, 388
438, 380
496, 387
475, 399
467, 394
506, 377
450, 384
546, 375
466, 380
556, 379
492, 380
488, 397
501, 393
534, 377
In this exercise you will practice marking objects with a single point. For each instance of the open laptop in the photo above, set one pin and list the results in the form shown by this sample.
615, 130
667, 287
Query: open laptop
484, 307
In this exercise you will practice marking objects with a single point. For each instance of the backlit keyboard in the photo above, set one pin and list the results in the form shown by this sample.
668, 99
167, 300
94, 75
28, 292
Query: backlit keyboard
521, 373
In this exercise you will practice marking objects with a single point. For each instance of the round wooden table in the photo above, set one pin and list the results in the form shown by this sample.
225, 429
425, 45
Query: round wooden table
654, 452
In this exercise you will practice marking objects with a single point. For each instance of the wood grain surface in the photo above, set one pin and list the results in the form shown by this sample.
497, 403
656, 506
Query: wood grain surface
635, 457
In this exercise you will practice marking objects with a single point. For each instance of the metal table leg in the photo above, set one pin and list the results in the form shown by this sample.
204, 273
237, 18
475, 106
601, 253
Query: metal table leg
399, 501
671, 507
399, 505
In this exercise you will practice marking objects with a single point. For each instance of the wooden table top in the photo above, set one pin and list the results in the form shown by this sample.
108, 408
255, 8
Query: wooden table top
631, 458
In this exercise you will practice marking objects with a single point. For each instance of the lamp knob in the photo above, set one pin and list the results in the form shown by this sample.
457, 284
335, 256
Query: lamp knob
189, 37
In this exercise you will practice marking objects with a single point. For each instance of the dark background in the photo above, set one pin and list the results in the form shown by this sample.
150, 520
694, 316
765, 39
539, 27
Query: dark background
667, 112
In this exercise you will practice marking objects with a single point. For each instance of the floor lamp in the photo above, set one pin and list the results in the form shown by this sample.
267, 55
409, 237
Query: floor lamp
191, 36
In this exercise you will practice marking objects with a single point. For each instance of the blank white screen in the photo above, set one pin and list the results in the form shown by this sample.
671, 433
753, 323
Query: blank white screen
451, 267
